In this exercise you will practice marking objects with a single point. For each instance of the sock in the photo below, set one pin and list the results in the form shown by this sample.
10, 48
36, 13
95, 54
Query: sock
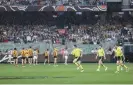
99, 66
103, 65
118, 67
66, 61
125, 66
81, 67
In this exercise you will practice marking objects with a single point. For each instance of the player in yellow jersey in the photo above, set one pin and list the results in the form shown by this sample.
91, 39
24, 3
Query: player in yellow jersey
15, 56
30, 58
46, 55
23, 56
101, 56
119, 56
115, 55
55, 55
26, 55
77, 53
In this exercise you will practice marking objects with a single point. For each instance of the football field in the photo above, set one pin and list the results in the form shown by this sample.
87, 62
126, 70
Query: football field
64, 74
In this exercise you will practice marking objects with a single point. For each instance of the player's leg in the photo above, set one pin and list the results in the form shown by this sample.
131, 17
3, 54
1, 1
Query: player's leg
122, 65
80, 66
22, 61
104, 65
16, 60
34, 60
75, 61
31, 59
99, 65
10, 59
55, 61
48, 61
66, 57
25, 60
118, 66
45, 60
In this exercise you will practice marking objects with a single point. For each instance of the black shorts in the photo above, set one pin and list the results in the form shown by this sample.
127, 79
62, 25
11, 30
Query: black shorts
100, 58
30, 57
46, 57
122, 58
22, 57
14, 57
118, 58
55, 56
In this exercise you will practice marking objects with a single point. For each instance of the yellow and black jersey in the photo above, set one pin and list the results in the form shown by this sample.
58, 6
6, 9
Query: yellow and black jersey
76, 52
15, 53
22, 53
30, 52
46, 53
55, 53
100, 52
26, 53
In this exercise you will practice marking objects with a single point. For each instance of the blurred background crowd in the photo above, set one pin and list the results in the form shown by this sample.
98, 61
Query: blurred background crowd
53, 2
77, 33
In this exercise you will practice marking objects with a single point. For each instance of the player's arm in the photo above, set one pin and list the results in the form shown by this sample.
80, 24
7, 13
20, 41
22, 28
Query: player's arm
81, 52
123, 57
104, 54
48, 55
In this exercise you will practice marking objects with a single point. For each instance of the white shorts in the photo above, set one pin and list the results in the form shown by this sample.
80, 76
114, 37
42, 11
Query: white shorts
35, 57
66, 57
10, 56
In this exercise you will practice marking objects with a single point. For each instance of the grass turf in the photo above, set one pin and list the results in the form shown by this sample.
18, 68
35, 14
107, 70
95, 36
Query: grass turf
62, 74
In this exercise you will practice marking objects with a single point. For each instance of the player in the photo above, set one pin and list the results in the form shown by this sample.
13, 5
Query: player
23, 57
10, 56
30, 58
46, 55
77, 53
101, 56
115, 55
35, 57
15, 56
119, 56
65, 56
55, 55
26, 55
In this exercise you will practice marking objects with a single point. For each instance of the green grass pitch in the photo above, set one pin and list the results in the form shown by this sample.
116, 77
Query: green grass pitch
64, 74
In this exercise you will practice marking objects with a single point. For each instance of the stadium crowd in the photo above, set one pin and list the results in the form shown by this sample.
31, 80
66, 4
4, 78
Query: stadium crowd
84, 33
52, 2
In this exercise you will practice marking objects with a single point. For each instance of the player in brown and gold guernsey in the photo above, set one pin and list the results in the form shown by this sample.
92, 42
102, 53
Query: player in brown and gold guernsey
23, 57
26, 55
46, 55
55, 55
15, 56
30, 58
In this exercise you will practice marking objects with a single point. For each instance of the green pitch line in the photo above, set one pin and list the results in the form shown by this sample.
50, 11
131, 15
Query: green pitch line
64, 74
